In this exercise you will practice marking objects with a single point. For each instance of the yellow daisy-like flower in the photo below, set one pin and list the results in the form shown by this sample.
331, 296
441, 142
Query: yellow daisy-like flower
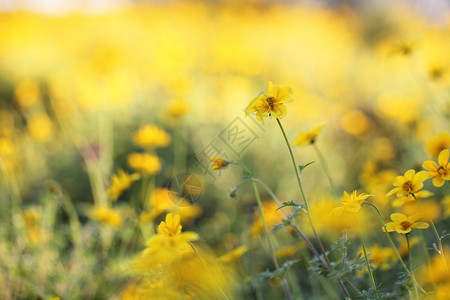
403, 224
440, 173
218, 163
106, 215
408, 184
170, 235
438, 143
351, 203
144, 162
306, 138
271, 103
150, 136
121, 182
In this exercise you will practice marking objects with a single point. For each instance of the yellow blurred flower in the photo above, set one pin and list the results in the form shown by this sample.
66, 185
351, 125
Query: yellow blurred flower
435, 271
151, 136
176, 110
271, 103
403, 247
382, 257
446, 203
218, 163
408, 184
440, 173
289, 250
106, 215
351, 203
430, 209
272, 215
438, 143
355, 122
234, 254
164, 200
403, 224
121, 182
27, 93
144, 162
307, 137
32, 218
406, 199
40, 127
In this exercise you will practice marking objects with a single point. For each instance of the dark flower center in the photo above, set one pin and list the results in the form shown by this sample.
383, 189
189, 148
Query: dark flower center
405, 225
270, 102
407, 186
442, 171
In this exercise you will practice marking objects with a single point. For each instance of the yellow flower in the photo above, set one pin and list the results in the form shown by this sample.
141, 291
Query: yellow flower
271, 103
436, 271
41, 128
289, 250
380, 256
27, 93
144, 162
403, 224
170, 237
218, 163
405, 199
176, 110
151, 136
106, 215
438, 143
440, 173
307, 137
121, 182
351, 203
408, 184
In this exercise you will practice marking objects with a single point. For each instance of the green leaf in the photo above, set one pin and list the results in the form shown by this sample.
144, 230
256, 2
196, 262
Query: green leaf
289, 203
302, 167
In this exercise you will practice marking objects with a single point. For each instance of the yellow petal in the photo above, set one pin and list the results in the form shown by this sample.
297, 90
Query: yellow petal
398, 218
438, 181
254, 105
420, 225
270, 90
400, 229
283, 94
443, 157
389, 226
393, 192
429, 165
420, 177
279, 111
409, 175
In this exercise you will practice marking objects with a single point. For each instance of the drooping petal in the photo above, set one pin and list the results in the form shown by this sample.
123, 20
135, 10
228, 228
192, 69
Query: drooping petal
429, 165
398, 218
400, 229
279, 111
414, 218
443, 157
393, 192
420, 225
254, 105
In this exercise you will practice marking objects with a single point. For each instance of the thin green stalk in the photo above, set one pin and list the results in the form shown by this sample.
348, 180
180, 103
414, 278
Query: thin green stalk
416, 293
286, 289
305, 202
441, 250
372, 280
325, 169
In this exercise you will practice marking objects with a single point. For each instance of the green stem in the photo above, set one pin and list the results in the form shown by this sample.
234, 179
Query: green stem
325, 169
416, 293
441, 250
322, 249
286, 289
367, 260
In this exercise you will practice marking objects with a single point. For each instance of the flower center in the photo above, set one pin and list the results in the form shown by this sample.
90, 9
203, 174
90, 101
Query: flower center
405, 225
407, 186
442, 171
270, 102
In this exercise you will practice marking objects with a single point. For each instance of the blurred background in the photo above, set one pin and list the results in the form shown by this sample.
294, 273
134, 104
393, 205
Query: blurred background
79, 80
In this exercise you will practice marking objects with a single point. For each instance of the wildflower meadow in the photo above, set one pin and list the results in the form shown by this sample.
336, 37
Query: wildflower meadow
225, 150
